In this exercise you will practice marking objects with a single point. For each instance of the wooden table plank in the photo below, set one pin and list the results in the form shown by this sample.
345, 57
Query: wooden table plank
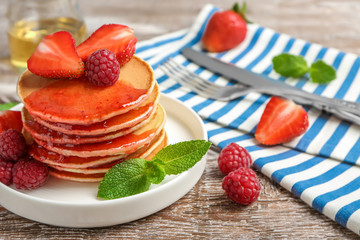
205, 212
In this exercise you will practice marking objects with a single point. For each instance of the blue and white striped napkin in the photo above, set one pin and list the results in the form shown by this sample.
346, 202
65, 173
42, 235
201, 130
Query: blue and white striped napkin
322, 167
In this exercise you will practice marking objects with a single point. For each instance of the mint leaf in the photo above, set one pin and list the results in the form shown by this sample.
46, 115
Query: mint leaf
124, 179
289, 65
155, 171
7, 106
135, 175
181, 156
322, 73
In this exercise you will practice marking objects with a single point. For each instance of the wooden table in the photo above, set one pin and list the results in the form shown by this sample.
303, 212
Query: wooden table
205, 212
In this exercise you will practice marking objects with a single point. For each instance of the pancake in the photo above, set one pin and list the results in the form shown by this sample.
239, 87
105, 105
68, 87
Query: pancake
162, 144
147, 152
76, 101
91, 177
54, 159
77, 177
51, 158
122, 121
81, 130
122, 145
48, 135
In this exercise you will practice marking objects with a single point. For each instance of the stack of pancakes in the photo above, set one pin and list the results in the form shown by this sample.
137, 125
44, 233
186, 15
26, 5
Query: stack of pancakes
80, 130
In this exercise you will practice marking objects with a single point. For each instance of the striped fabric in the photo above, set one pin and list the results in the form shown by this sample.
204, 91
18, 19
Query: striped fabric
322, 166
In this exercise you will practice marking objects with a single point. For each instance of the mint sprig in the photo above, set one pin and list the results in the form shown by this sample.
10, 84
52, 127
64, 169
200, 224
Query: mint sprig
322, 73
289, 65
7, 106
136, 175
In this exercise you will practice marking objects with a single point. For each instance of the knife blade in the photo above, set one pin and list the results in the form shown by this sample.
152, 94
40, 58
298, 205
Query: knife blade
251, 79
231, 71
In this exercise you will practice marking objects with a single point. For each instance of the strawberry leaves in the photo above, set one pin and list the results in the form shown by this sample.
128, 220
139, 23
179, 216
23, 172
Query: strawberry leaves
241, 11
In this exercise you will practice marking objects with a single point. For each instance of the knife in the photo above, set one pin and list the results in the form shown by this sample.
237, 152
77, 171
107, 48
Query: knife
245, 77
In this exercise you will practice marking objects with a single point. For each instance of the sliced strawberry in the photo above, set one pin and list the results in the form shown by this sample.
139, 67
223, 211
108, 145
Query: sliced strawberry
10, 120
125, 56
281, 121
117, 38
56, 57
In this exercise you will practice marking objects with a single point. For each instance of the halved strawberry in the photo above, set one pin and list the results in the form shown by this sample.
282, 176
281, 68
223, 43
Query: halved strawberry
281, 121
56, 57
10, 120
125, 56
117, 38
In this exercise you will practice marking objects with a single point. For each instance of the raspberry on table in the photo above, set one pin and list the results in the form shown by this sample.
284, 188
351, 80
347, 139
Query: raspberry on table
233, 157
242, 186
6, 171
12, 145
102, 68
29, 174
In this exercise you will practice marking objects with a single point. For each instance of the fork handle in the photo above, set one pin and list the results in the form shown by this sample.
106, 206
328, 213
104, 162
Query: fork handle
324, 102
333, 106
325, 106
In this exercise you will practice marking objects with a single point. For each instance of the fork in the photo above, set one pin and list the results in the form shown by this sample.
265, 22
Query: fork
8, 91
211, 90
204, 87
6, 99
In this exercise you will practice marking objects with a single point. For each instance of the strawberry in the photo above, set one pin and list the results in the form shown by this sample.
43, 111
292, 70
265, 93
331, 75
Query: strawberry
225, 30
10, 120
56, 57
281, 121
117, 38
127, 53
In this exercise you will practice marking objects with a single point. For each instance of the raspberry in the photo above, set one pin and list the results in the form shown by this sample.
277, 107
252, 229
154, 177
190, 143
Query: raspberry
242, 186
12, 145
6, 171
233, 157
102, 68
29, 174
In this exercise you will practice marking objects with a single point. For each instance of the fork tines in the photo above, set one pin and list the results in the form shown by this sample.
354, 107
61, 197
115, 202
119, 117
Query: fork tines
187, 78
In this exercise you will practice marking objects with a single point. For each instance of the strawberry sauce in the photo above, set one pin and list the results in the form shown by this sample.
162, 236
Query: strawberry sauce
124, 143
118, 122
81, 102
47, 156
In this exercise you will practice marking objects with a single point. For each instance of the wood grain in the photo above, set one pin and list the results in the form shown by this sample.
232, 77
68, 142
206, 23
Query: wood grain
205, 212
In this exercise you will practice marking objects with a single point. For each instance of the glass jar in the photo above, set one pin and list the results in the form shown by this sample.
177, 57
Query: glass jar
31, 20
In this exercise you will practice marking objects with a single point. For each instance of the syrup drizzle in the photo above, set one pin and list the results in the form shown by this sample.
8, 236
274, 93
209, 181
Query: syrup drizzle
82, 102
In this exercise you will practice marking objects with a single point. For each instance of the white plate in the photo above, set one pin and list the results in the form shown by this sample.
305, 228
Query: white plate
71, 204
